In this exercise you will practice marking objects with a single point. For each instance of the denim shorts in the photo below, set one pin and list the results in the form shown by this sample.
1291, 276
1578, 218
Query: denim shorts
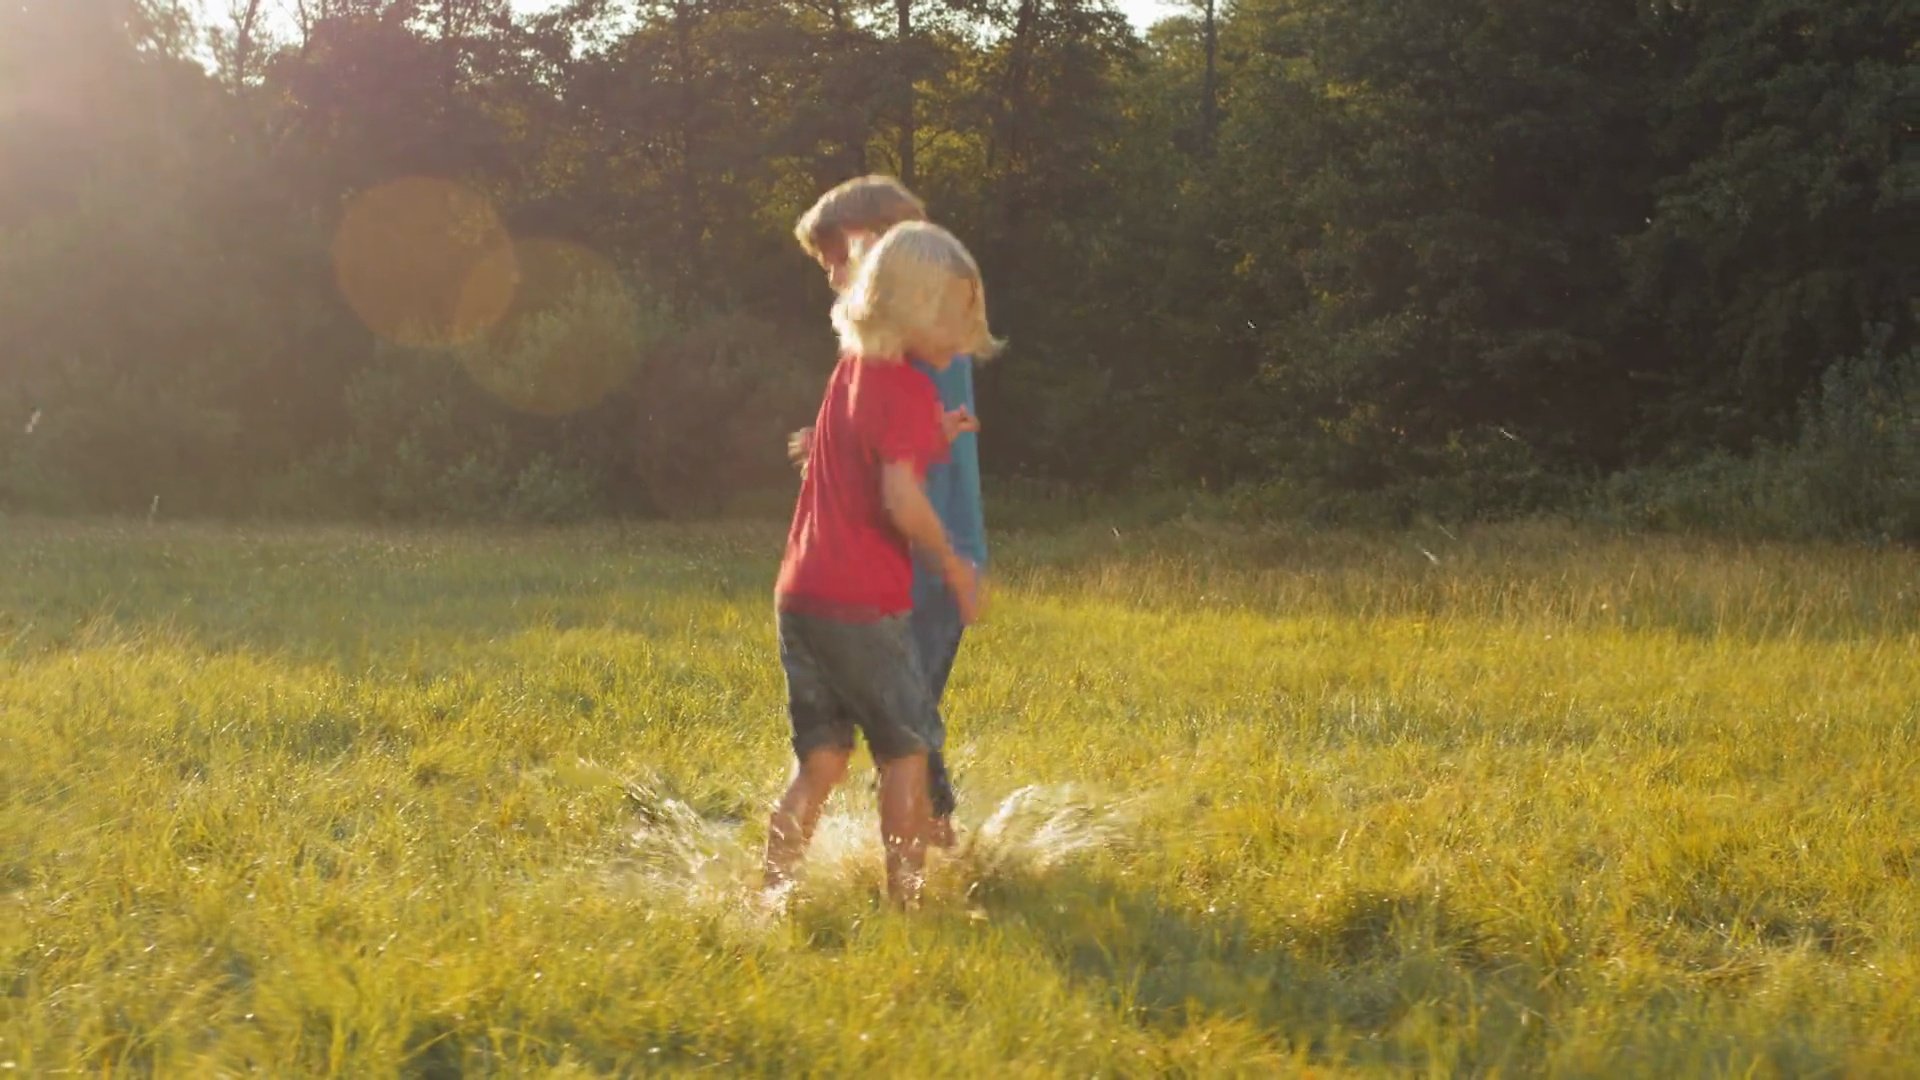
847, 675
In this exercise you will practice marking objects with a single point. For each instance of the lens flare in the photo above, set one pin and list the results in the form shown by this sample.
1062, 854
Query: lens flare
569, 337
418, 261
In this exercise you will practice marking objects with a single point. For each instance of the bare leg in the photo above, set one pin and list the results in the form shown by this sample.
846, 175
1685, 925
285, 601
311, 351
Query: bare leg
903, 825
798, 812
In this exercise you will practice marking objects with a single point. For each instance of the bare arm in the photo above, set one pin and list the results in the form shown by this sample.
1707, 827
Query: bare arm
911, 513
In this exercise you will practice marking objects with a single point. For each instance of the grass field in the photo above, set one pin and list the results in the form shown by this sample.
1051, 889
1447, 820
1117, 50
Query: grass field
1532, 800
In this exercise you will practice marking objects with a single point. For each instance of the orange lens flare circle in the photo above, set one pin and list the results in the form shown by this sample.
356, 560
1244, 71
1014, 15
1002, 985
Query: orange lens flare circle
569, 337
418, 262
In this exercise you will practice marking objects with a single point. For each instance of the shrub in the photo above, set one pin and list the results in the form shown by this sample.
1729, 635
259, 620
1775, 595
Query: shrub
1852, 472
711, 409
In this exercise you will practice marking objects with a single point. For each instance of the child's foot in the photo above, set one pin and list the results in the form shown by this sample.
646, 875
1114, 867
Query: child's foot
773, 900
940, 833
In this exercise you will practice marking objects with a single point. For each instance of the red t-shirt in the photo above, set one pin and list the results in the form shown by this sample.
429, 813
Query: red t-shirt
845, 560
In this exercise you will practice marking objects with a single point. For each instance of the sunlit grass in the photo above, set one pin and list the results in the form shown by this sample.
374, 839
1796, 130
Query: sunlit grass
1529, 800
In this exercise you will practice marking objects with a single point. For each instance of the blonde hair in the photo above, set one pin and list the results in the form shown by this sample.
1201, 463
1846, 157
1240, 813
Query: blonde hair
918, 282
865, 204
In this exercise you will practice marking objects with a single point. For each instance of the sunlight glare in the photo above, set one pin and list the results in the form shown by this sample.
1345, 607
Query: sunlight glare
567, 339
417, 261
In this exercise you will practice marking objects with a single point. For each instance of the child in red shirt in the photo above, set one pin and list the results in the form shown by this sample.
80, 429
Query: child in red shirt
845, 587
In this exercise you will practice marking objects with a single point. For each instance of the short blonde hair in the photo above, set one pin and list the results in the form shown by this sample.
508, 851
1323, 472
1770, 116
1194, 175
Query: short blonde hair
918, 283
864, 204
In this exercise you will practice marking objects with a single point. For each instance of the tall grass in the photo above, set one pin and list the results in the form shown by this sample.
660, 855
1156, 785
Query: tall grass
1522, 799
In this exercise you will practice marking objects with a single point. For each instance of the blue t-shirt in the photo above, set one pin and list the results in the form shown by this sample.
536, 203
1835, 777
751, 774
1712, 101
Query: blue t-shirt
953, 487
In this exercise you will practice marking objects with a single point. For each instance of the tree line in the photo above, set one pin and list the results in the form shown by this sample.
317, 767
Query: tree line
439, 258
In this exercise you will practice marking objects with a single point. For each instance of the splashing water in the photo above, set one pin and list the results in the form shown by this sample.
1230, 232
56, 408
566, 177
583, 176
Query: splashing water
1039, 828
679, 856
675, 848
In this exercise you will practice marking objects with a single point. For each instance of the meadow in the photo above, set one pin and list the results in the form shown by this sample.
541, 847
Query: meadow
1518, 800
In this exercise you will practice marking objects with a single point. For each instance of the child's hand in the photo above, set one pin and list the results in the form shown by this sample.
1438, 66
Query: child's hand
799, 445
958, 422
968, 587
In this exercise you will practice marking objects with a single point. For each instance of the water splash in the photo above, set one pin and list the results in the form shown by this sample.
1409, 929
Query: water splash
674, 848
677, 856
1040, 828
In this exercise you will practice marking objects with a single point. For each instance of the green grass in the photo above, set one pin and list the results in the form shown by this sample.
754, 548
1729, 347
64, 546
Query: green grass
1530, 801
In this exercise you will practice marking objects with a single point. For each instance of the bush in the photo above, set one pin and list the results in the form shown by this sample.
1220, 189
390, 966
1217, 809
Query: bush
549, 493
1856, 466
587, 390
574, 336
1853, 471
425, 443
1719, 492
711, 410
1477, 475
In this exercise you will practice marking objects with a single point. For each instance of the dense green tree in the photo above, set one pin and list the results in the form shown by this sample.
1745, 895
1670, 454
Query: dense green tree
1782, 233
440, 257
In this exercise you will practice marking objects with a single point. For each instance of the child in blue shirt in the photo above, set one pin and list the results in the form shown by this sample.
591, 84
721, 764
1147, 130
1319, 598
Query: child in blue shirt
953, 487
835, 231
